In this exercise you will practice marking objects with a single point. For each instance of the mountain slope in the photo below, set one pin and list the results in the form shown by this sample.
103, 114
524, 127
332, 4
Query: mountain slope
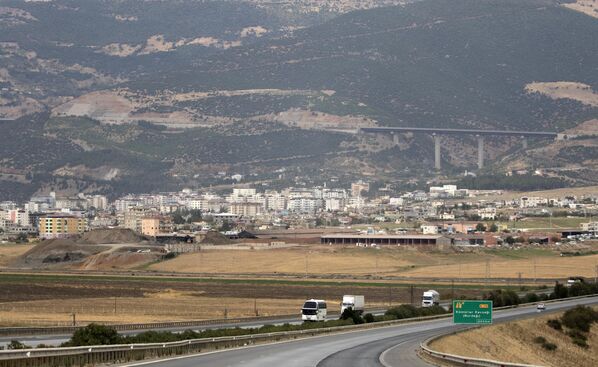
270, 107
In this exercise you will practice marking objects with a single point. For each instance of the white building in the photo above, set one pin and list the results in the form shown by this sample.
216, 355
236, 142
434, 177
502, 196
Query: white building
334, 204
447, 191
590, 226
429, 229
275, 201
487, 213
100, 202
532, 201
396, 201
246, 209
19, 217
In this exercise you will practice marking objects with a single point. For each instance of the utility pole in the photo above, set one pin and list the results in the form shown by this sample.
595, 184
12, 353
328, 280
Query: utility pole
519, 278
255, 307
452, 289
487, 271
534, 271
74, 319
306, 265
596, 276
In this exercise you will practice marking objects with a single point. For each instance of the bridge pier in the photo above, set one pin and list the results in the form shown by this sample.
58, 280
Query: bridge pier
524, 142
480, 151
395, 138
436, 151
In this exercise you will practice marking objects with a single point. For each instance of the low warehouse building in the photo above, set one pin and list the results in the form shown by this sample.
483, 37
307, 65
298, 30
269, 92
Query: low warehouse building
385, 239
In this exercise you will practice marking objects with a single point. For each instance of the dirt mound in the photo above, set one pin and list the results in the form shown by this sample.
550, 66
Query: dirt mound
55, 252
112, 235
118, 260
215, 238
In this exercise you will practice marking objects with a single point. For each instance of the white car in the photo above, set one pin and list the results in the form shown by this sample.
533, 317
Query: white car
541, 307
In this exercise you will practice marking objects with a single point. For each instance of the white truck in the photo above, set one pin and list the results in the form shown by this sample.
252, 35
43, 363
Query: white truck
356, 303
430, 298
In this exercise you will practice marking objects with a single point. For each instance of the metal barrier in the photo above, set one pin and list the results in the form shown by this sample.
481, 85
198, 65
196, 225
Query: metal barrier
462, 360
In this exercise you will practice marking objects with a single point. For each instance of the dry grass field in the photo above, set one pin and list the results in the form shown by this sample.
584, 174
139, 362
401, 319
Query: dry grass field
534, 267
299, 260
322, 260
513, 342
51, 299
9, 252
170, 305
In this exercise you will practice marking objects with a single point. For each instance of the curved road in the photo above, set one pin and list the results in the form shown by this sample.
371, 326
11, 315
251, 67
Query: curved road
387, 346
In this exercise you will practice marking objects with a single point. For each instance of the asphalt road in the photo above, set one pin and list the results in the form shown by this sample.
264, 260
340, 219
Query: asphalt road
395, 345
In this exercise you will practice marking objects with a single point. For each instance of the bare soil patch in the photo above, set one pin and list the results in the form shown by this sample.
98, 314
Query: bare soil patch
9, 253
588, 7
106, 236
97, 249
571, 90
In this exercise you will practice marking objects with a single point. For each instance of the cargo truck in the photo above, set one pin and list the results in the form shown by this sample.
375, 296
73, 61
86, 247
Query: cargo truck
357, 303
430, 298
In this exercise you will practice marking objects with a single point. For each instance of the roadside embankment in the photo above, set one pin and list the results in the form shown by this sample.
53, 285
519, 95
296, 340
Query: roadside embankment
520, 342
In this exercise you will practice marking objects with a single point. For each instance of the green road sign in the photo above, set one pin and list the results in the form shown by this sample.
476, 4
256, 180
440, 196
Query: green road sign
472, 312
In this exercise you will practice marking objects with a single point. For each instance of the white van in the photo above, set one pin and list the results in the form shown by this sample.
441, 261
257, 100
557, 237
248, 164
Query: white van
314, 310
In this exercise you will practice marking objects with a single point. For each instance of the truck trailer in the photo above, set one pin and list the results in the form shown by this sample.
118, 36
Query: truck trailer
356, 303
430, 298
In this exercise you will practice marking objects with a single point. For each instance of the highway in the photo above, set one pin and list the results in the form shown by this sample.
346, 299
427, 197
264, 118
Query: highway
387, 346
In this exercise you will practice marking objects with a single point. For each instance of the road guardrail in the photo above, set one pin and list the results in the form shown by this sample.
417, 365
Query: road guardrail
462, 360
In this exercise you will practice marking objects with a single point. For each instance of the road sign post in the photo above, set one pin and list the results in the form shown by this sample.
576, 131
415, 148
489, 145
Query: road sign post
472, 312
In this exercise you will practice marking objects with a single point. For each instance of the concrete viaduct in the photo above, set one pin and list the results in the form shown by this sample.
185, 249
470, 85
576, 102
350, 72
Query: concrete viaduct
479, 133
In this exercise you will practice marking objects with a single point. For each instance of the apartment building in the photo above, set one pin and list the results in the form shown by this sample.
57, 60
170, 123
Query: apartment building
60, 225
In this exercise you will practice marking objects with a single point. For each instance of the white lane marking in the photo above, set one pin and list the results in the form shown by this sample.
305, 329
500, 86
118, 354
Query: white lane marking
382, 358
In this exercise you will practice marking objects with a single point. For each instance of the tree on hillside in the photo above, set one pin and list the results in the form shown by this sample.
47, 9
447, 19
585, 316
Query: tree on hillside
480, 227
